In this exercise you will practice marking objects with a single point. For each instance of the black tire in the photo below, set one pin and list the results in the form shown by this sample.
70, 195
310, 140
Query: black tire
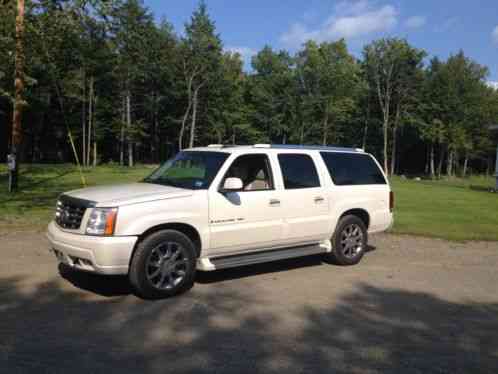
142, 267
348, 250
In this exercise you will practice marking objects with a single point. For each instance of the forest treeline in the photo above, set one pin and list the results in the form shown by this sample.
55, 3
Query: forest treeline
130, 89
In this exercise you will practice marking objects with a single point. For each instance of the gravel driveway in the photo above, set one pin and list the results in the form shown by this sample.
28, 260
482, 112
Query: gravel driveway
413, 305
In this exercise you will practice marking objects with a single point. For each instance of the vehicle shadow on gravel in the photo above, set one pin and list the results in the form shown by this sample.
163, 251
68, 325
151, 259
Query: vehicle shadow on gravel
118, 285
47, 328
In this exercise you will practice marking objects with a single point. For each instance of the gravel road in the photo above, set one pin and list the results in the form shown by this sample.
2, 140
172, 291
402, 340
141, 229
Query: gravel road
413, 305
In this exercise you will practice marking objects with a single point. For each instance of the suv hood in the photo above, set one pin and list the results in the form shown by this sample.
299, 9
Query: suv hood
131, 193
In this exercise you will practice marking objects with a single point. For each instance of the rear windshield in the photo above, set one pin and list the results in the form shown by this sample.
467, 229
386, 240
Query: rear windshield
352, 168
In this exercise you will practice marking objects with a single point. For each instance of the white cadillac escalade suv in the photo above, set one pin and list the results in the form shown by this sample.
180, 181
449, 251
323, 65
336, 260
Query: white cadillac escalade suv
223, 206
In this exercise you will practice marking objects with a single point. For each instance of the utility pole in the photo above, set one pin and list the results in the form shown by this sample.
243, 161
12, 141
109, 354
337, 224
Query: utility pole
13, 162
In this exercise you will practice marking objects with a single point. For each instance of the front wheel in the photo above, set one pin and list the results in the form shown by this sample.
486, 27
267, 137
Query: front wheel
163, 265
349, 241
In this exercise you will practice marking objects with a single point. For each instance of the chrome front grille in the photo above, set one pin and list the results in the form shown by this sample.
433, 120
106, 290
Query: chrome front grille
69, 212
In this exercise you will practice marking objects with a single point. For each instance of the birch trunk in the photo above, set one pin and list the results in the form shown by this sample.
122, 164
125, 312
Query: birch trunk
90, 122
449, 164
465, 164
128, 126
83, 119
394, 141
121, 136
441, 159
95, 132
432, 161
194, 115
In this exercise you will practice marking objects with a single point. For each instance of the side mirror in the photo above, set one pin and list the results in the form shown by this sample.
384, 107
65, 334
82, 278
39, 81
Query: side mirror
232, 184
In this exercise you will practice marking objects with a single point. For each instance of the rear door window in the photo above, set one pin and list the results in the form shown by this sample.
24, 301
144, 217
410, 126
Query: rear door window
298, 171
352, 168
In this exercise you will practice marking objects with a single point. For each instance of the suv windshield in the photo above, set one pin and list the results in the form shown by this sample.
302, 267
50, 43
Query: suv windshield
191, 170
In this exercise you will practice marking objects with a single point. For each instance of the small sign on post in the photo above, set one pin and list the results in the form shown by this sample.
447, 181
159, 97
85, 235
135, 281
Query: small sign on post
11, 166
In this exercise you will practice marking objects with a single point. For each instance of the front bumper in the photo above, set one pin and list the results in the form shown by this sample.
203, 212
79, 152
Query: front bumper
103, 255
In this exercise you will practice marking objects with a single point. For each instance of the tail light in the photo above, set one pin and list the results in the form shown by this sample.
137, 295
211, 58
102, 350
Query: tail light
391, 201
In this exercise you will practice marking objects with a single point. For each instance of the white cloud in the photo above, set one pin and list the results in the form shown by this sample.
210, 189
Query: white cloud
350, 19
415, 22
245, 52
494, 35
448, 24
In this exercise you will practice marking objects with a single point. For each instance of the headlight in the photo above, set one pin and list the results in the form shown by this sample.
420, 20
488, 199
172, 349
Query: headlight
102, 221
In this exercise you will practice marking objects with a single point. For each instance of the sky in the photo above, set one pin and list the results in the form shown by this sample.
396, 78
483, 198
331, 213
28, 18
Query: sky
441, 27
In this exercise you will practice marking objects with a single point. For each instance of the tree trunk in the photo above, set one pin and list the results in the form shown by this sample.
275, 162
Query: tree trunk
121, 136
432, 161
393, 149
394, 140
18, 98
385, 128
465, 164
367, 120
325, 128
128, 126
194, 115
154, 143
95, 132
449, 163
441, 160
182, 128
90, 122
83, 118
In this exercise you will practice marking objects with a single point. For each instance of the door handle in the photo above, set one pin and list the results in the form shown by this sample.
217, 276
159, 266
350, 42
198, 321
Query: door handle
319, 199
274, 202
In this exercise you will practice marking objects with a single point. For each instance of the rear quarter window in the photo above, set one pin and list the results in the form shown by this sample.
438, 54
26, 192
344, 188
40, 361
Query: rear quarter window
352, 169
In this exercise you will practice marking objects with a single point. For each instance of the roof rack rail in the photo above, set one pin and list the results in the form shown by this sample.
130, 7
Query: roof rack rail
309, 147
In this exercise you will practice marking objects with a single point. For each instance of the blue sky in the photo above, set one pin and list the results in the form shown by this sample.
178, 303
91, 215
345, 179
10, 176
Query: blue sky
441, 27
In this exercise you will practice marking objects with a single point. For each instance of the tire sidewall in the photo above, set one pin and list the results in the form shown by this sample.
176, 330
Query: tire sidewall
339, 257
137, 274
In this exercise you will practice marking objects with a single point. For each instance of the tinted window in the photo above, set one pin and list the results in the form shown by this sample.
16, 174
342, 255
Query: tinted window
298, 171
352, 168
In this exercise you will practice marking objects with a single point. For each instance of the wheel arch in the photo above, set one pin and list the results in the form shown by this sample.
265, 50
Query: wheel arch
190, 231
358, 212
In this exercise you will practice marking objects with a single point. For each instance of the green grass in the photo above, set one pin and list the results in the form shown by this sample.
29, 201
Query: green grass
448, 209
32, 207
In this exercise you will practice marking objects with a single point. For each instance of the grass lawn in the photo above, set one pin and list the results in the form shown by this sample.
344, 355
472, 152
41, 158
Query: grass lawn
32, 207
447, 209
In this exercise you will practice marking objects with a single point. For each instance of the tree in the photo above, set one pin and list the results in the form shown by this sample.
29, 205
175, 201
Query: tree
391, 66
271, 91
201, 50
130, 27
330, 79
19, 102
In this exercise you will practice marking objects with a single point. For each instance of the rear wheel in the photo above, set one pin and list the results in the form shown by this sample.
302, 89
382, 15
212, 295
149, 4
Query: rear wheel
349, 241
163, 265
